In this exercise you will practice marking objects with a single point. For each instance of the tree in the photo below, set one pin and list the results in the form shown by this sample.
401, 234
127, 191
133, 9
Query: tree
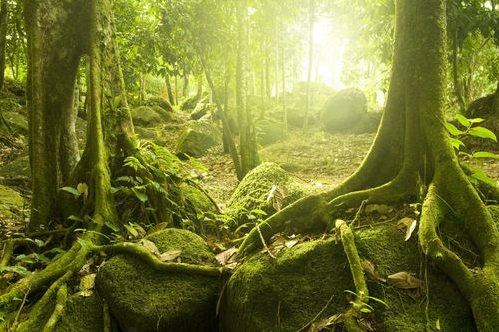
4, 14
422, 167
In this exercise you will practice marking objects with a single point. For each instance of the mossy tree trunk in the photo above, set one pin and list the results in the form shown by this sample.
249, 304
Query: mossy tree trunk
4, 15
412, 160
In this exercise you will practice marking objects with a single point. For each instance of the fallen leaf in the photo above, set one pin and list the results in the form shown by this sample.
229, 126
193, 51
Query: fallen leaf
370, 271
409, 225
170, 255
149, 245
404, 280
224, 257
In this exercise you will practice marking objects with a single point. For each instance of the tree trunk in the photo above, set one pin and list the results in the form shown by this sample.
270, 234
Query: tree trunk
496, 101
169, 89
4, 15
247, 144
283, 79
311, 19
423, 168
457, 84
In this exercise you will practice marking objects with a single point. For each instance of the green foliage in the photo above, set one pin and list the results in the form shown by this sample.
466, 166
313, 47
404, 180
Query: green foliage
148, 190
469, 128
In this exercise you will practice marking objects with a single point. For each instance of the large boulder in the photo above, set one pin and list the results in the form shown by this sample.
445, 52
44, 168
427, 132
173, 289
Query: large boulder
159, 101
344, 109
269, 132
267, 187
151, 115
17, 122
285, 294
197, 138
82, 313
143, 299
11, 202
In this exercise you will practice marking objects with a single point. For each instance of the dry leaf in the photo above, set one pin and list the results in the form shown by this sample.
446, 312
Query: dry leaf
149, 245
87, 284
170, 255
224, 257
291, 243
276, 196
370, 271
409, 225
404, 280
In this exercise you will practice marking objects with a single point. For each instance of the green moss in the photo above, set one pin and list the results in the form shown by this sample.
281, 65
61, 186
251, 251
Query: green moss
494, 212
301, 280
145, 116
194, 248
197, 138
200, 202
143, 299
284, 294
254, 189
11, 202
82, 314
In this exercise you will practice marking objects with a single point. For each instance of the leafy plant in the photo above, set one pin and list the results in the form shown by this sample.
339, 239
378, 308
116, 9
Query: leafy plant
471, 129
362, 306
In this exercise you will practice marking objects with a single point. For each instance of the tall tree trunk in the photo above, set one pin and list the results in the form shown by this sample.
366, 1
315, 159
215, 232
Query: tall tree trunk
283, 79
51, 80
496, 101
169, 89
185, 82
4, 15
247, 144
457, 84
311, 19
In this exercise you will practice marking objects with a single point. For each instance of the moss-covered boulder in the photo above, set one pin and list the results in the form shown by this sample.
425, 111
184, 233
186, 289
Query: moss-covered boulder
267, 187
11, 202
269, 132
344, 109
159, 101
286, 293
17, 122
82, 314
368, 123
16, 172
197, 138
143, 299
151, 115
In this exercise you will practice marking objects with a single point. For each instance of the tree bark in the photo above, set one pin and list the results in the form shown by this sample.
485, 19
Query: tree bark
4, 15
311, 19
169, 89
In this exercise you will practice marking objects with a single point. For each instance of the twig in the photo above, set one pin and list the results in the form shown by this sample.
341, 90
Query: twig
263, 241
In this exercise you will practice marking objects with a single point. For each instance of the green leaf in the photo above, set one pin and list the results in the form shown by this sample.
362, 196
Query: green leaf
462, 120
39, 243
258, 211
140, 195
456, 143
484, 154
453, 130
482, 133
480, 175
476, 120
132, 230
71, 190
365, 310
22, 271
75, 218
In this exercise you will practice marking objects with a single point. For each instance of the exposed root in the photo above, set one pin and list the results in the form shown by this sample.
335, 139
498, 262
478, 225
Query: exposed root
479, 285
359, 281
308, 213
144, 254
60, 305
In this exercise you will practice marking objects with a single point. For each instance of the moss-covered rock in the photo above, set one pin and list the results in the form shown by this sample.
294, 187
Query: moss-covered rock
197, 138
17, 122
159, 101
344, 109
151, 115
17, 169
142, 299
198, 199
368, 123
268, 132
11, 202
82, 314
285, 293
253, 191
